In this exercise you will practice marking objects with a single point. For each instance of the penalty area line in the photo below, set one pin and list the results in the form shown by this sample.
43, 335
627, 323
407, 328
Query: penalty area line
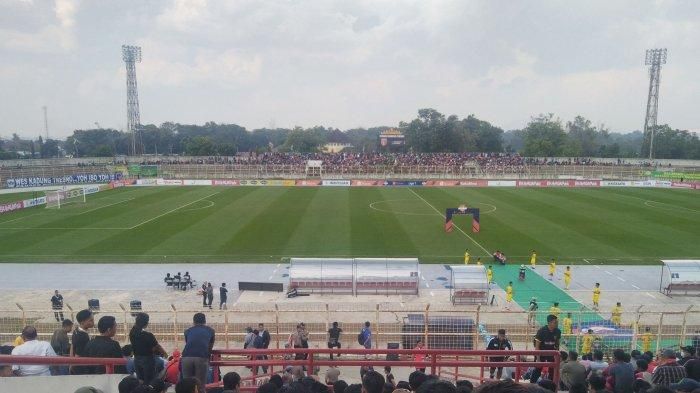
458, 228
173, 210
102, 207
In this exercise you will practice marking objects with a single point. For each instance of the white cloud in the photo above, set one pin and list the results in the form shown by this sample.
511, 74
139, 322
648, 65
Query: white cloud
65, 12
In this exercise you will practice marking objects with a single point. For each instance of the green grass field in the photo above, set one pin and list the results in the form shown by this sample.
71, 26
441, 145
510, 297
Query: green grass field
264, 224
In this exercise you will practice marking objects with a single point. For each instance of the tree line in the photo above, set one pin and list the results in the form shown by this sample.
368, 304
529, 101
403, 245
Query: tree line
431, 131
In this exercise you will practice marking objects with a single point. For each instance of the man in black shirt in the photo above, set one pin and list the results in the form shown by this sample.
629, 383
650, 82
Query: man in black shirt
498, 343
547, 339
80, 338
223, 293
103, 346
334, 337
57, 305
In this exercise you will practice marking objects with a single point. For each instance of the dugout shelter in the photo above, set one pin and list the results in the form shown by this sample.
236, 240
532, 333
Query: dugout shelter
469, 285
680, 277
359, 276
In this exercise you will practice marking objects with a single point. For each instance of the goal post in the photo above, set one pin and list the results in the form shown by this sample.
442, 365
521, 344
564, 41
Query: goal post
57, 198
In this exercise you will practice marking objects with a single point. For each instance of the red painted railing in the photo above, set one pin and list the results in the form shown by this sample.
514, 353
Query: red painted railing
436, 359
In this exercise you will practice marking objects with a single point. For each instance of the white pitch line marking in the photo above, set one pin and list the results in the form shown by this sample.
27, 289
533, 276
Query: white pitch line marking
608, 272
269, 279
101, 207
427, 285
635, 287
431, 293
278, 265
597, 267
620, 278
458, 228
650, 295
19, 218
173, 210
586, 260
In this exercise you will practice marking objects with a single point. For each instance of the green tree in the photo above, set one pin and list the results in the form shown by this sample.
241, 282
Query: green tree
199, 146
544, 137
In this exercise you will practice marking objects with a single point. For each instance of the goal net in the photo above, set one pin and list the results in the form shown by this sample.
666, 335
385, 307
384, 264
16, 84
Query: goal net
59, 198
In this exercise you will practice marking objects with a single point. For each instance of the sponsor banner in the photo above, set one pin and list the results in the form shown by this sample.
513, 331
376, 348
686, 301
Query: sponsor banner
168, 182
644, 183
404, 183
442, 183
531, 183
146, 182
9, 207
273, 182
559, 183
682, 185
335, 183
288, 183
21, 182
121, 183
91, 190
615, 183
501, 183
308, 183
673, 175
365, 183
586, 183
224, 182
474, 183
197, 182
663, 183
34, 202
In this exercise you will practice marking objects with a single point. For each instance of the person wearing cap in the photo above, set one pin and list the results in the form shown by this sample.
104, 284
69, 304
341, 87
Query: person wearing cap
668, 371
498, 343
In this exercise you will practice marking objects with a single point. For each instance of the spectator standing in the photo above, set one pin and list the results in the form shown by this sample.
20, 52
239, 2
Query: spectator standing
103, 346
692, 368
547, 339
299, 339
204, 294
32, 347
573, 372
419, 357
248, 339
199, 342
334, 337
668, 371
265, 337
81, 337
61, 344
145, 347
620, 373
57, 305
498, 343
687, 353
389, 376
223, 294
210, 295
598, 364
366, 336
532, 311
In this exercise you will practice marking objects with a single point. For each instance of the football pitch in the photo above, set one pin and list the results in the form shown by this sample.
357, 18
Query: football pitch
265, 224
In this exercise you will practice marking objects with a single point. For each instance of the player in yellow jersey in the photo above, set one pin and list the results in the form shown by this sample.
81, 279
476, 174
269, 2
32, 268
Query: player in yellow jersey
533, 259
509, 295
596, 296
567, 323
478, 261
587, 342
489, 274
555, 310
567, 277
467, 257
617, 315
646, 339
552, 269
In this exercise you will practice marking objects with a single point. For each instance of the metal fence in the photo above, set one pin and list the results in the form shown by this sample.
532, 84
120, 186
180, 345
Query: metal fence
460, 327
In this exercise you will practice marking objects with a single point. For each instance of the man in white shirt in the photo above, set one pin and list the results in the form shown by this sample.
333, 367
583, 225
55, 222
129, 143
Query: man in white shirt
32, 347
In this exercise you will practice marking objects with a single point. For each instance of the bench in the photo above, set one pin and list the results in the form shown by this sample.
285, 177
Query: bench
683, 287
469, 296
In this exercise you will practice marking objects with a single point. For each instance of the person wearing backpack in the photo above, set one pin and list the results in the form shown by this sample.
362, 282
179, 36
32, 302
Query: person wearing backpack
258, 343
365, 337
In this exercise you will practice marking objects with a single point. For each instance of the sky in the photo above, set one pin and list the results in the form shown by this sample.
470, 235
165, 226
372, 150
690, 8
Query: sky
344, 64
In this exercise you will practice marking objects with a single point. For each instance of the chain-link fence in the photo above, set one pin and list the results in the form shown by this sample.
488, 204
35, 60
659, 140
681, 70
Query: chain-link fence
401, 325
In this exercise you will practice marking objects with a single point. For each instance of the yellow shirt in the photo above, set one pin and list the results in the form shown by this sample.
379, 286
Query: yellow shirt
533, 258
587, 343
646, 342
509, 291
567, 275
478, 262
552, 268
489, 275
567, 325
617, 312
18, 341
555, 311
467, 257
596, 292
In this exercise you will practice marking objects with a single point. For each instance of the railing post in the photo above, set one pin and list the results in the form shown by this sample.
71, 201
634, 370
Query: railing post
24, 317
126, 326
659, 333
685, 326
476, 327
426, 324
175, 335
109, 368
376, 319
226, 327
277, 325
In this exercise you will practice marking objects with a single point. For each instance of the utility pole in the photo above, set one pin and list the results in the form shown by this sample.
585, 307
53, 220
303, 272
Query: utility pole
46, 123
654, 58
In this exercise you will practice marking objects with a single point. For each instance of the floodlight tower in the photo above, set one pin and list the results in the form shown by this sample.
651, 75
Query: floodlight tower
132, 55
654, 58
46, 122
